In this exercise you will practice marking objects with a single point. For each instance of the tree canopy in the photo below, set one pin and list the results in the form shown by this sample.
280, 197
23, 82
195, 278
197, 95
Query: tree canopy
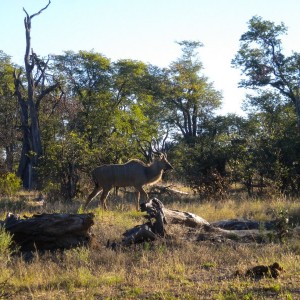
264, 64
62, 115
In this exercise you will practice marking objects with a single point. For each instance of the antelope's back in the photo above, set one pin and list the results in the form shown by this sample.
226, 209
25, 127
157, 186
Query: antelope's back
131, 173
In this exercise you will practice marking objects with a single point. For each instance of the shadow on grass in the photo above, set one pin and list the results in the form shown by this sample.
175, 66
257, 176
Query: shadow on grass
24, 205
15, 206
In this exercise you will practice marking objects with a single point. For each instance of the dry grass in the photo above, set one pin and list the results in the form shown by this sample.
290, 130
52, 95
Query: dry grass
168, 269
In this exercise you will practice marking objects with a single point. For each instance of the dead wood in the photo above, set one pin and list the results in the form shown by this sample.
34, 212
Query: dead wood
184, 218
164, 222
243, 224
151, 230
49, 231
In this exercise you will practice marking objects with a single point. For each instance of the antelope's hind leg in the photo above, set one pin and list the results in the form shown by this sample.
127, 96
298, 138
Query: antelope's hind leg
93, 194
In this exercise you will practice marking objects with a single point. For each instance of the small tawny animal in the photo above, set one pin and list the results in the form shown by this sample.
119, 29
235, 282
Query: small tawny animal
133, 173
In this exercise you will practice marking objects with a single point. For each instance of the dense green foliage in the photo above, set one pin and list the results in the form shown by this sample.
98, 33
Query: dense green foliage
110, 112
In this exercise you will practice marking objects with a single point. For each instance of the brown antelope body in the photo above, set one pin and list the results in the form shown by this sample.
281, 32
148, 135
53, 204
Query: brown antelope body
133, 173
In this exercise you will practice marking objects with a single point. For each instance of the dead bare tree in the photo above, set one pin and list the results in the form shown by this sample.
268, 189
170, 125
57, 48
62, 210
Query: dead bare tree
29, 99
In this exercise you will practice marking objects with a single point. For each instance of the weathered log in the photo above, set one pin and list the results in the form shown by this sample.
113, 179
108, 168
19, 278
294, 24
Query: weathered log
155, 210
192, 227
158, 216
138, 234
151, 230
242, 224
185, 218
49, 231
172, 216
216, 234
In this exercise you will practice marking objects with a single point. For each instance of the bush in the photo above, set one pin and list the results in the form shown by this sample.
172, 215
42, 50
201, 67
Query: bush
10, 184
5, 245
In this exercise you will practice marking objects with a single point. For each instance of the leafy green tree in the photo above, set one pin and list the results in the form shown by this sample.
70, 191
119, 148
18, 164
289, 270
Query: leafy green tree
116, 100
138, 118
190, 101
189, 97
108, 107
273, 148
86, 78
262, 61
76, 130
64, 167
8, 113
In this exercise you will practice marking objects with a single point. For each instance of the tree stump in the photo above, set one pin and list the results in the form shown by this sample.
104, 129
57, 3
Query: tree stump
49, 231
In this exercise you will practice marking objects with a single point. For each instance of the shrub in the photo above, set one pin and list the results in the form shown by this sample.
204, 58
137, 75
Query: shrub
10, 184
5, 245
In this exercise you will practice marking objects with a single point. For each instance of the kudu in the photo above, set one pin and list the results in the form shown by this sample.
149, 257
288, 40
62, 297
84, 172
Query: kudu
133, 173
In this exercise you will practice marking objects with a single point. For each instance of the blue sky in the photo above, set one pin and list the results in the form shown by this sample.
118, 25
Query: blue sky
147, 30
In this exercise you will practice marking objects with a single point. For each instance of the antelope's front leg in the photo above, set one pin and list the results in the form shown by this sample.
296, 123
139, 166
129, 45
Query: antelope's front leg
141, 191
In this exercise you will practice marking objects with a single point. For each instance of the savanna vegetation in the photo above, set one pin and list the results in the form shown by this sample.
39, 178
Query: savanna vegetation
63, 115
176, 267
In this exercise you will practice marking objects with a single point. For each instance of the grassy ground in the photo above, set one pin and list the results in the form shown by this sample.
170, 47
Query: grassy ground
173, 268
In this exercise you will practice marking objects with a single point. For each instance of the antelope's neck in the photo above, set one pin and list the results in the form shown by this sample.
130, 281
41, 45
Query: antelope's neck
154, 173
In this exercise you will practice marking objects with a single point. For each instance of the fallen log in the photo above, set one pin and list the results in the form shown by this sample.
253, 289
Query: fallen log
184, 218
242, 224
154, 208
138, 234
49, 231
157, 218
161, 218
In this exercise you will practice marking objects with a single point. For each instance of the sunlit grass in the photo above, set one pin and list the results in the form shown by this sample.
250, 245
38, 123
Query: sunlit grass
256, 209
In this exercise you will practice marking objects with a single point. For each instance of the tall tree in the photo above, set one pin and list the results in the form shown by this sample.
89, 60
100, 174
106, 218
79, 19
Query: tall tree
8, 112
38, 87
190, 97
138, 116
264, 64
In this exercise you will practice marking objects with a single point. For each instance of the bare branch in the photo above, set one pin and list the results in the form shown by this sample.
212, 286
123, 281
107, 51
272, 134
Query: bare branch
164, 140
145, 150
32, 16
27, 20
42, 66
18, 84
46, 92
26, 13
60, 98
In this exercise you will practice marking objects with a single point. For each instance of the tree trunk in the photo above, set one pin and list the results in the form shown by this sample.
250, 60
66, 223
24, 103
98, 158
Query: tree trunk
29, 114
9, 153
